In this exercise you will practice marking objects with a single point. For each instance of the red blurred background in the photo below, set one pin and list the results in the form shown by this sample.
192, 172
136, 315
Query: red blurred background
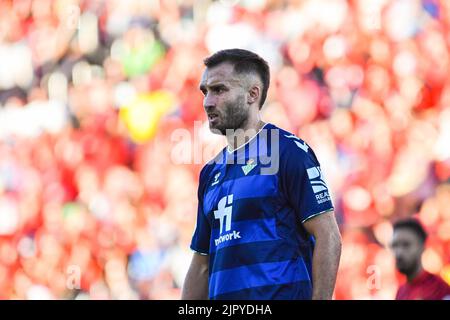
94, 202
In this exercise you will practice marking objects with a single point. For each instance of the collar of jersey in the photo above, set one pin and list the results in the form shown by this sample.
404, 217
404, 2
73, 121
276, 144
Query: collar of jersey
249, 140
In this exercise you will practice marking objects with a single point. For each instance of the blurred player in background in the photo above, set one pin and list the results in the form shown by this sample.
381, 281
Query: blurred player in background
408, 244
258, 236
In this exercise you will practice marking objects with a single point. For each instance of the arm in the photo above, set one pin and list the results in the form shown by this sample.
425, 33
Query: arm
327, 252
196, 283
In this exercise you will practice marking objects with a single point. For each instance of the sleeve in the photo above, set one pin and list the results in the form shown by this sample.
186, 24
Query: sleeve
303, 183
202, 233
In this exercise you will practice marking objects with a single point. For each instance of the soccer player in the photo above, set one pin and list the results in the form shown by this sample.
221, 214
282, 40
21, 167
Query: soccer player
265, 225
408, 244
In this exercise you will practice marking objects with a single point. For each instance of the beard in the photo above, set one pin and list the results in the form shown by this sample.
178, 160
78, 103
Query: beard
235, 115
407, 268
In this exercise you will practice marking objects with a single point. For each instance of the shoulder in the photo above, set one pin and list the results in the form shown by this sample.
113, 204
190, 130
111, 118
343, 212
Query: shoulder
292, 148
438, 281
438, 289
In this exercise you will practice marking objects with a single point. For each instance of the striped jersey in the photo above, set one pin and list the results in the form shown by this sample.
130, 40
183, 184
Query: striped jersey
252, 203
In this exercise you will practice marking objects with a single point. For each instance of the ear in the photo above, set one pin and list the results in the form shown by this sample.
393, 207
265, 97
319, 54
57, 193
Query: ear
253, 94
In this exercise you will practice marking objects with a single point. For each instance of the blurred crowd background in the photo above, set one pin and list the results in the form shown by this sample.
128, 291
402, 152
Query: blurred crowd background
95, 204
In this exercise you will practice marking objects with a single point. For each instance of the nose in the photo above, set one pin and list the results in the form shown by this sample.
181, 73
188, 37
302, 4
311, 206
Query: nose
398, 254
209, 102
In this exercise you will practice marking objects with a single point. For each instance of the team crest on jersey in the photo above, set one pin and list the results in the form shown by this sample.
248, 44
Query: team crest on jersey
249, 166
318, 184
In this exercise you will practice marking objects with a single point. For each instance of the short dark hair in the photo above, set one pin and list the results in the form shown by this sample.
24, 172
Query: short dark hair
413, 225
243, 61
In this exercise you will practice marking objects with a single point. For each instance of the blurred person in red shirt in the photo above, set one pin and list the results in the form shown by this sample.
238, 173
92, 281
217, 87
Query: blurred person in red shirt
408, 245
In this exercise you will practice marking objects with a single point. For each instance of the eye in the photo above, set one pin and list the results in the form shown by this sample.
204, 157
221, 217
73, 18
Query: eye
218, 90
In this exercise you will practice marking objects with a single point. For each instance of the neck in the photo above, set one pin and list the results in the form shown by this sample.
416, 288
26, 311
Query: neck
415, 273
243, 134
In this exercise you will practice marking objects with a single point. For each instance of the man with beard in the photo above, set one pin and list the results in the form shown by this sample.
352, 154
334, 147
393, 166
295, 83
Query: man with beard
265, 224
408, 245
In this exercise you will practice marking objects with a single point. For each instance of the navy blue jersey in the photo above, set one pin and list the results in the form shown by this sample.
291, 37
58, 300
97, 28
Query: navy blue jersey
252, 206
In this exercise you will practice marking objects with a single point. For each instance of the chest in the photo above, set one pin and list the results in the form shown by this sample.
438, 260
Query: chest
241, 192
